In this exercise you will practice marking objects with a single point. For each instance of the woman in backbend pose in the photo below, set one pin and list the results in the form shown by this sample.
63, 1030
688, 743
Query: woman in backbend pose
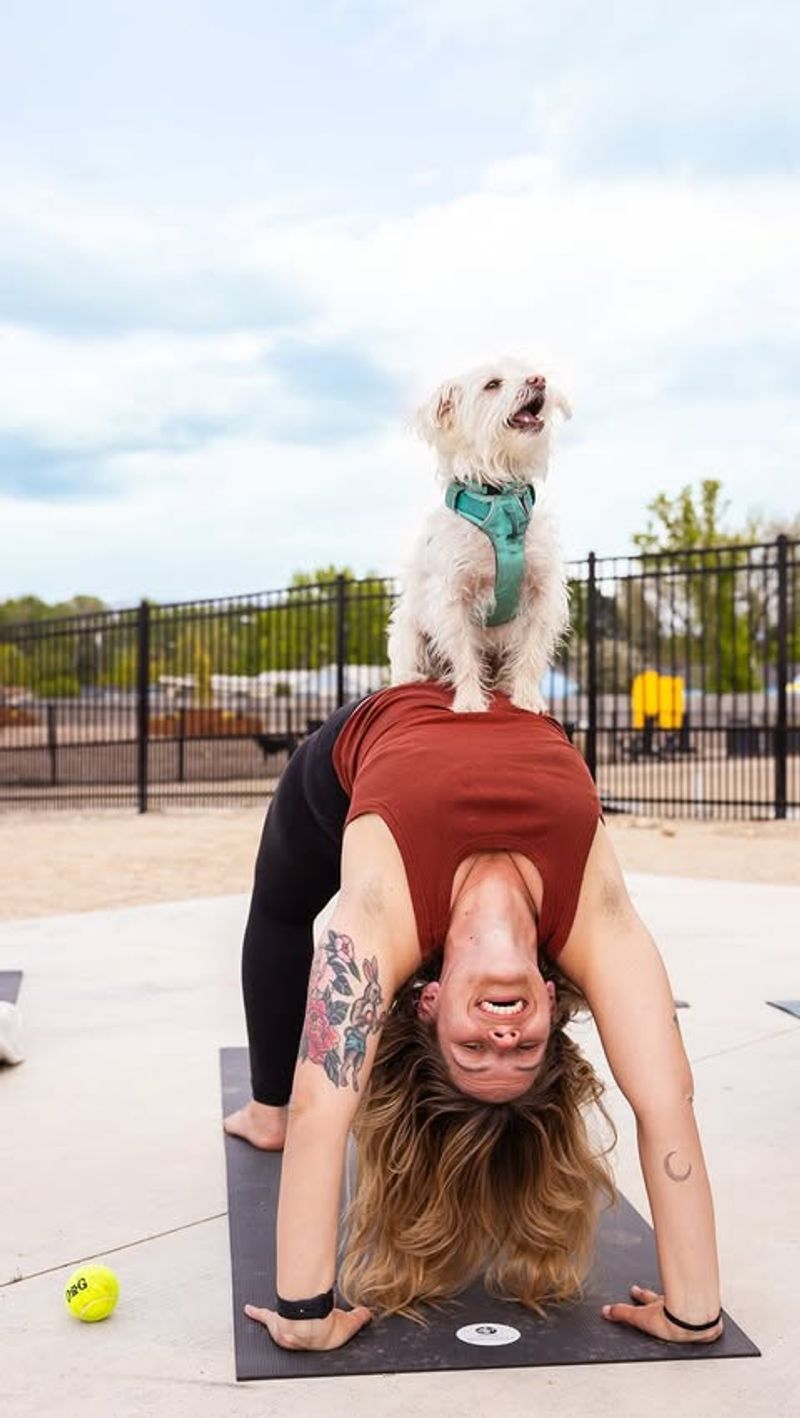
480, 903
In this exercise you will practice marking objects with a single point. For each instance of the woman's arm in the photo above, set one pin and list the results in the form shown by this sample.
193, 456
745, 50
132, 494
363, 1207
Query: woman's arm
612, 957
362, 956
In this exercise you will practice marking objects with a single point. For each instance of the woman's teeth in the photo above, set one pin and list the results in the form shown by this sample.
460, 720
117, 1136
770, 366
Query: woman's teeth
506, 1008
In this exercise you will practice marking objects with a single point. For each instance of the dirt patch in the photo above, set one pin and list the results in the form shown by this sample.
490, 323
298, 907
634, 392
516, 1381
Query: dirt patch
58, 862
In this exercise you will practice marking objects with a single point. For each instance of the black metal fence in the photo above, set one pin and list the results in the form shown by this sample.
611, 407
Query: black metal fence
679, 683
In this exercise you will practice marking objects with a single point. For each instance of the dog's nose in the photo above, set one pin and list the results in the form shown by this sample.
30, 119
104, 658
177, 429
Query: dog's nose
536, 381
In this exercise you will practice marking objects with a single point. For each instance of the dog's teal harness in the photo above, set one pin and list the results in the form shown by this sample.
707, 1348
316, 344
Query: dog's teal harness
504, 516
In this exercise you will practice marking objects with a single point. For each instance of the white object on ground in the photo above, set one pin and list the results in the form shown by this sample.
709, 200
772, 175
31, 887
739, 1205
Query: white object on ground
10, 1034
488, 1334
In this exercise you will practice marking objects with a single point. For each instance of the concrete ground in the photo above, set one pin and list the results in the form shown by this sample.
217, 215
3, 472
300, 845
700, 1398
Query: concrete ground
111, 1149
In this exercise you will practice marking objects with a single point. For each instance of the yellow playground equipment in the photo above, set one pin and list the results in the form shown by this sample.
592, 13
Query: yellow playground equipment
657, 699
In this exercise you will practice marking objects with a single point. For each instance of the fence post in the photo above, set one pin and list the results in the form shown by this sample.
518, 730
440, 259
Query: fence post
781, 724
341, 637
591, 667
52, 743
182, 744
142, 701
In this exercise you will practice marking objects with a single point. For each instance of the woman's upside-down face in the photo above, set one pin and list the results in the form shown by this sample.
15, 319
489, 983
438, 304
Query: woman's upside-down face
491, 1007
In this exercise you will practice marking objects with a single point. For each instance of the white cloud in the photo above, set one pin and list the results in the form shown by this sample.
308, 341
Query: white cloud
79, 393
616, 284
233, 517
650, 256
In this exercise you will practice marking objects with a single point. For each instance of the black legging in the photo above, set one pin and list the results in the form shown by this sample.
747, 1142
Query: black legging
297, 873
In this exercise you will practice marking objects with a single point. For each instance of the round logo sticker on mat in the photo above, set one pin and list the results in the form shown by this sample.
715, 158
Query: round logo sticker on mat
488, 1334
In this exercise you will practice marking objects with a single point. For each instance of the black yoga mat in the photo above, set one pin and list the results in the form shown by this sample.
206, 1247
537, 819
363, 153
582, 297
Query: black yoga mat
575, 1334
790, 1006
10, 981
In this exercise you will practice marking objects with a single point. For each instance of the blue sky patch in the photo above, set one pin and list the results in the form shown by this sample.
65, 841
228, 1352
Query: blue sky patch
233, 240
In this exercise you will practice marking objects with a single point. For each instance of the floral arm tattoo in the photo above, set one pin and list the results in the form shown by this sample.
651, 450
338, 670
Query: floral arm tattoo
337, 1025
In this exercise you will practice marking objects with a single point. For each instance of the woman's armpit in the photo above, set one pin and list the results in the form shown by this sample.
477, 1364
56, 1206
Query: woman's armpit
604, 905
375, 890
613, 901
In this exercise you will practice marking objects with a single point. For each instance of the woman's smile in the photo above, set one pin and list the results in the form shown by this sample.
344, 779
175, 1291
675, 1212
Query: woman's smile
502, 1009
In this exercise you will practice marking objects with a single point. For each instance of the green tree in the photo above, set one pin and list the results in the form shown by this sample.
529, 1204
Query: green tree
692, 520
15, 668
697, 599
58, 665
121, 671
767, 529
619, 617
301, 630
28, 609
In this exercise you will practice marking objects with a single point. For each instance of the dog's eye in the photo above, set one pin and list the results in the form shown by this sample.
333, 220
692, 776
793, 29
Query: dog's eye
493, 384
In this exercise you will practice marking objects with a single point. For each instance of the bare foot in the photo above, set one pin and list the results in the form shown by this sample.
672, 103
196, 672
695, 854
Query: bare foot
258, 1124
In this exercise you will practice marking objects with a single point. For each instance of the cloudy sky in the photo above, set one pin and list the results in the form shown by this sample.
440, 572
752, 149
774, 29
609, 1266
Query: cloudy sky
239, 241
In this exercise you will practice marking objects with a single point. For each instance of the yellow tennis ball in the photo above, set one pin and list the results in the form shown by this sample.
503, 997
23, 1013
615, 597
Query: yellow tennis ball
92, 1292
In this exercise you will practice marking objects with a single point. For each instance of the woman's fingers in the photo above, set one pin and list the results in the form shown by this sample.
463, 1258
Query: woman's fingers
648, 1318
350, 1322
254, 1313
641, 1314
279, 1331
331, 1333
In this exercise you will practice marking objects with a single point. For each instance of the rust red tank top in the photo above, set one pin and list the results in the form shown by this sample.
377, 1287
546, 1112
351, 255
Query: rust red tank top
448, 785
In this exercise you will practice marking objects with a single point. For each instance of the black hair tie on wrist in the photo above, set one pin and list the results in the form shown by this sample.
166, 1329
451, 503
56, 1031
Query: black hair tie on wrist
695, 1328
317, 1308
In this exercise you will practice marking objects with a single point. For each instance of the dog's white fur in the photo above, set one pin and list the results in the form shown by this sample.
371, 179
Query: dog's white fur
438, 626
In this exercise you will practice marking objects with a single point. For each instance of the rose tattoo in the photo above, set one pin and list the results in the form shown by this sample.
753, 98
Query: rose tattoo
332, 972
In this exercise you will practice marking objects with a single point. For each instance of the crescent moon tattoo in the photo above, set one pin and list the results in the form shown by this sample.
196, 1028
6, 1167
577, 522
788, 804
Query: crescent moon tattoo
670, 1170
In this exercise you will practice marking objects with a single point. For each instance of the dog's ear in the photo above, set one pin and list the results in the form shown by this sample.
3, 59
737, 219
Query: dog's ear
438, 415
561, 402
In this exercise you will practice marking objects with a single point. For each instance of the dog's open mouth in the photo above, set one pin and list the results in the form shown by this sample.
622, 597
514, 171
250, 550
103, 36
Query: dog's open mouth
527, 416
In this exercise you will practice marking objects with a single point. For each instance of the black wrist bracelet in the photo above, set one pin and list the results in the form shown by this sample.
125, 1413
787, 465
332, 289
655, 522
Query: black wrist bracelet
695, 1328
317, 1308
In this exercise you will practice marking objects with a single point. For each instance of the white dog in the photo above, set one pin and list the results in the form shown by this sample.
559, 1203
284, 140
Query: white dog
485, 608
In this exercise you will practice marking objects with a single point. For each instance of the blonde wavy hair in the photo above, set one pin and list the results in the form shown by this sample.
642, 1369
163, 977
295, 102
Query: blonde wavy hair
449, 1187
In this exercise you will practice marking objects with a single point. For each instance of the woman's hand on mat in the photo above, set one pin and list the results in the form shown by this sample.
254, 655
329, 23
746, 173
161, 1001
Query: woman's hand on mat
648, 1315
330, 1333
